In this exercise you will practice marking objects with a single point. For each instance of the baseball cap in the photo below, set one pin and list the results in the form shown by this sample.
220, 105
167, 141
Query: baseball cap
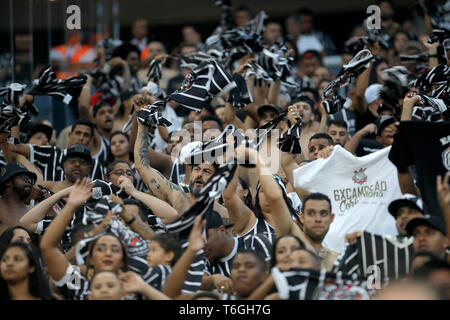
408, 200
382, 122
39, 127
372, 92
79, 150
429, 220
266, 107
384, 107
213, 220
11, 170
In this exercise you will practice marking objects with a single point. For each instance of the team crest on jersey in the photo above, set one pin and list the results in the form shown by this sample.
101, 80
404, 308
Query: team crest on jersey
359, 177
446, 159
97, 193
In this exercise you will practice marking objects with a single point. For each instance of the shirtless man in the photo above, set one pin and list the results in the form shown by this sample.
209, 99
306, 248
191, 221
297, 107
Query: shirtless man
16, 182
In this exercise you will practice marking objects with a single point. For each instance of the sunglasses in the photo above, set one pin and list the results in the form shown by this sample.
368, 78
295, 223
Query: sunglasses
27, 178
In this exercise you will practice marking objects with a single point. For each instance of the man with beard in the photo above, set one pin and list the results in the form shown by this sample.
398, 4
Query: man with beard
16, 182
165, 190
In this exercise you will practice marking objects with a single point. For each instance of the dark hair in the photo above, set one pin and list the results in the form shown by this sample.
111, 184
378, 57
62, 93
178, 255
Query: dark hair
84, 122
8, 234
323, 136
373, 76
78, 232
124, 250
248, 198
273, 261
98, 106
429, 267
304, 11
338, 123
124, 50
259, 258
38, 285
312, 254
111, 166
100, 272
244, 8
143, 210
316, 196
205, 294
212, 117
169, 243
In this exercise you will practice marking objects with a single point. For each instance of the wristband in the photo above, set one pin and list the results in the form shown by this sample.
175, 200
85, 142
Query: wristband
131, 221
433, 55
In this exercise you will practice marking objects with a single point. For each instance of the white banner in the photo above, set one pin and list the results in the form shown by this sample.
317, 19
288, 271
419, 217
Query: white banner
360, 190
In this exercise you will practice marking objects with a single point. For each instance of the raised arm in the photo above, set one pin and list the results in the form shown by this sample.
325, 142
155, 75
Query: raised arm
157, 183
175, 281
54, 259
32, 218
162, 209
409, 101
241, 216
353, 143
133, 283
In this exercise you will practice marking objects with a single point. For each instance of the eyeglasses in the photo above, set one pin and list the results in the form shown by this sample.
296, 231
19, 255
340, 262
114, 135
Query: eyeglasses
121, 172
73, 160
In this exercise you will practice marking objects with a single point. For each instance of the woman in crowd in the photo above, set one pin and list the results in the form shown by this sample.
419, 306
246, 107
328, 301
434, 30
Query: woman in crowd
21, 275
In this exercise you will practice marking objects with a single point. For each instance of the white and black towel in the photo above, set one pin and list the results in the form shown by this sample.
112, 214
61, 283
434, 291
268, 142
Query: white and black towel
290, 139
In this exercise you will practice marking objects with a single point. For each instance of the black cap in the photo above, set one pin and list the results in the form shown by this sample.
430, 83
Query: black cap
382, 122
11, 170
429, 220
39, 127
266, 107
79, 150
408, 200
127, 94
213, 220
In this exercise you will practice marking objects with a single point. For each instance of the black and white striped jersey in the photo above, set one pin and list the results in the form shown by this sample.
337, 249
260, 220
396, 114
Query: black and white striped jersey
156, 276
261, 226
193, 280
258, 243
103, 153
392, 255
2, 159
307, 284
49, 160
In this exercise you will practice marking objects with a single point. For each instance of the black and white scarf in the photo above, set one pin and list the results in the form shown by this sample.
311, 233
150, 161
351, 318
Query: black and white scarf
152, 116
306, 284
290, 139
64, 90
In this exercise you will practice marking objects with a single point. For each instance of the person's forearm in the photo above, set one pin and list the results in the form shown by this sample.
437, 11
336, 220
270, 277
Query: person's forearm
274, 92
175, 281
83, 101
31, 219
164, 133
407, 111
353, 143
323, 123
126, 77
358, 101
433, 61
407, 183
54, 233
160, 208
152, 294
137, 225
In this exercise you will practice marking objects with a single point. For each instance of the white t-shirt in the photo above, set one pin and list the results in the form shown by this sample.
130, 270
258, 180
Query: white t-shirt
308, 42
360, 190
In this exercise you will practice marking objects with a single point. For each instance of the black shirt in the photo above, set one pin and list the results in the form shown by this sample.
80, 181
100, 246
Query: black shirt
367, 146
427, 146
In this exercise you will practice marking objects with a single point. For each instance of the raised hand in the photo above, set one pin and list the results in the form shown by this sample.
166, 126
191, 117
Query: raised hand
82, 191
443, 190
126, 185
132, 283
196, 241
